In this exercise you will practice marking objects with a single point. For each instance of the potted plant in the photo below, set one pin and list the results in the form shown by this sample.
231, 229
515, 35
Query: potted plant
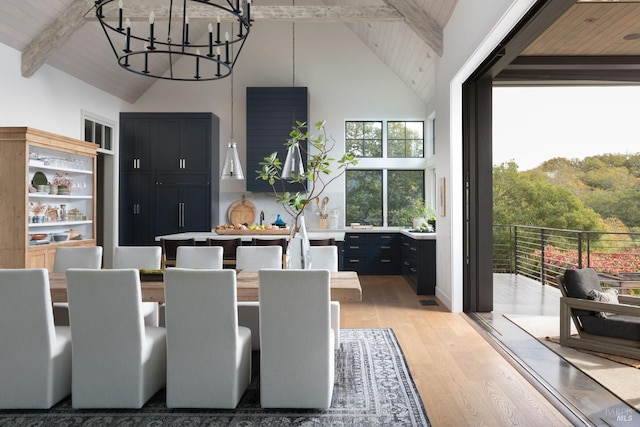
418, 215
314, 180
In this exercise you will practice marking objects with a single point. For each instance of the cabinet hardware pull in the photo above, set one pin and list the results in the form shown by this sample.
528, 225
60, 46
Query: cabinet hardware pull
413, 270
354, 247
385, 247
354, 237
385, 260
413, 249
406, 263
385, 237
354, 260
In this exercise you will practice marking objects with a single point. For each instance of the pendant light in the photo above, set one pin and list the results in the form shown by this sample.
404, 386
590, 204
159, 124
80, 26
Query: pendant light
293, 165
232, 169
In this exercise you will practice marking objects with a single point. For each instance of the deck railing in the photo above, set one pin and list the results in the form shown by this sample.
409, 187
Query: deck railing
542, 253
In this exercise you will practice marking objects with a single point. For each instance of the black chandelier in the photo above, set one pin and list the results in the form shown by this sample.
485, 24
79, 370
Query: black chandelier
150, 44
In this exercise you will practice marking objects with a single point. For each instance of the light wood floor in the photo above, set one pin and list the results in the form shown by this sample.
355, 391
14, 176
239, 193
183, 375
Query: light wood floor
462, 379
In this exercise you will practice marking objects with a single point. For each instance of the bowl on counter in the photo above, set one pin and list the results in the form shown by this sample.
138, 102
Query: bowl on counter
38, 236
61, 237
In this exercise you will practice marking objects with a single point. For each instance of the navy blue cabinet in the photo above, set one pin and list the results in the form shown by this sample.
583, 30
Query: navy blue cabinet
169, 166
372, 253
419, 264
271, 113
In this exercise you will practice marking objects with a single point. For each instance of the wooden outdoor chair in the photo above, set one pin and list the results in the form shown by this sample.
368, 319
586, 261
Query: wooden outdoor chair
617, 333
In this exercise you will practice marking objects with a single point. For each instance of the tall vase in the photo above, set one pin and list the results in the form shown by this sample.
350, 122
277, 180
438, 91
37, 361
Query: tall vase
297, 253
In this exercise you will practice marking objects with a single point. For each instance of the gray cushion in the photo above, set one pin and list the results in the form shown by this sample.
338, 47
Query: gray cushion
614, 325
579, 283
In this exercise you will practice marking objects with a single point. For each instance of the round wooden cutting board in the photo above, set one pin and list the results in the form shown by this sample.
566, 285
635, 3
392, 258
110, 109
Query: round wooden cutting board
242, 212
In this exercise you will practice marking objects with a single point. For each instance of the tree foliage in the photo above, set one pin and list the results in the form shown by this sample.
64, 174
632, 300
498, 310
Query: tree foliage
527, 199
608, 183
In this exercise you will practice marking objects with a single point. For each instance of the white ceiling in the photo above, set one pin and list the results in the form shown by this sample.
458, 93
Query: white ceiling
408, 44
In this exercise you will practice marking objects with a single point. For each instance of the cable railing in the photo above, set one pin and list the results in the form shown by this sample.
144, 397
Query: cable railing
542, 253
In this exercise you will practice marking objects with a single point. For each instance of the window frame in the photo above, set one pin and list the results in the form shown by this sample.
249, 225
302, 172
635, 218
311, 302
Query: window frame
384, 163
105, 123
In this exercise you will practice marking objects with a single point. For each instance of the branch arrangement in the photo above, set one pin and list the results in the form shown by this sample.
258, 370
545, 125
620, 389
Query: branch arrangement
317, 175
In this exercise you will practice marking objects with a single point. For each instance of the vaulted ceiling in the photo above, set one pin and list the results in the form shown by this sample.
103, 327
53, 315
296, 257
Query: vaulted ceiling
405, 34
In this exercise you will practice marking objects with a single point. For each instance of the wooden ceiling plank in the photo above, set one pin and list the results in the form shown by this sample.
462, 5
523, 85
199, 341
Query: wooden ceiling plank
420, 22
54, 36
324, 14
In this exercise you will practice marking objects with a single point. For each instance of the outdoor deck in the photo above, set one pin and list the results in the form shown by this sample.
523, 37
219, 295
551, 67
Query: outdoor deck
552, 375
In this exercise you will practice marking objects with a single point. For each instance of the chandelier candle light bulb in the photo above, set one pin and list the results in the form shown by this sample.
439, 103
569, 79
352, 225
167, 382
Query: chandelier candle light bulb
218, 30
186, 30
120, 6
210, 28
151, 25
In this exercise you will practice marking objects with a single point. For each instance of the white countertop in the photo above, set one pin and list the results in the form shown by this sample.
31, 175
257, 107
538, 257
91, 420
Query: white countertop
202, 236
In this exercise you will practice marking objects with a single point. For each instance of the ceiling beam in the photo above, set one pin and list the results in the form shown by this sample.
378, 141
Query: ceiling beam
420, 22
325, 14
54, 36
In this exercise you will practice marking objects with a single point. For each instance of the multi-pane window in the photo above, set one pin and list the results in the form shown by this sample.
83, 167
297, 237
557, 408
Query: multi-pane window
405, 139
390, 174
98, 131
364, 139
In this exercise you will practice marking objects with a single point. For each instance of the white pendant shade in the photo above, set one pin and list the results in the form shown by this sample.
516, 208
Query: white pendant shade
293, 163
232, 169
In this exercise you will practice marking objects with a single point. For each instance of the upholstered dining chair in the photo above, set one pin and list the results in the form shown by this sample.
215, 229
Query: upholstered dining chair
120, 365
254, 258
296, 340
324, 257
170, 248
209, 257
229, 246
36, 355
141, 257
323, 242
208, 354
73, 257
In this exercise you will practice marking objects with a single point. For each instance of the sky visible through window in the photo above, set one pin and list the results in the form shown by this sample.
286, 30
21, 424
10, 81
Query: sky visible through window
534, 124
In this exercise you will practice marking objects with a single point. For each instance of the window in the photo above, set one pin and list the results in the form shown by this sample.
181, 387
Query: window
390, 173
364, 139
405, 139
98, 131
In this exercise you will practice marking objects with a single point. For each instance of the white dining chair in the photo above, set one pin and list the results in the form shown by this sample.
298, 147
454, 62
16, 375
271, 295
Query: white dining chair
209, 257
208, 354
296, 341
73, 257
324, 257
35, 371
118, 362
141, 257
254, 258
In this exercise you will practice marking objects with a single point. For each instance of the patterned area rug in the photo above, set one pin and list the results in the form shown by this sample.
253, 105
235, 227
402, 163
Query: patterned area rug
373, 388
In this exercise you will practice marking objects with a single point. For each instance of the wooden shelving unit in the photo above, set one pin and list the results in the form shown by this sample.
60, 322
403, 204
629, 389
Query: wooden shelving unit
25, 151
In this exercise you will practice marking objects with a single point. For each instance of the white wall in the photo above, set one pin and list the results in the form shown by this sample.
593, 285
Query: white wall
345, 79
52, 101
474, 30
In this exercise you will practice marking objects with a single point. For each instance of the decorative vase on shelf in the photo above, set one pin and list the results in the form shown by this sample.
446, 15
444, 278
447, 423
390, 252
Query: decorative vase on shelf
63, 190
297, 255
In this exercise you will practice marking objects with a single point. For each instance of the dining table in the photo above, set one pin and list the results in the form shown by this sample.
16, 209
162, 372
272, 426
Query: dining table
345, 287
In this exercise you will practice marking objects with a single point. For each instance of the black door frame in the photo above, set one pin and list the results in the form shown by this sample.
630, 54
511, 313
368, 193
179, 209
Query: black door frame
477, 153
